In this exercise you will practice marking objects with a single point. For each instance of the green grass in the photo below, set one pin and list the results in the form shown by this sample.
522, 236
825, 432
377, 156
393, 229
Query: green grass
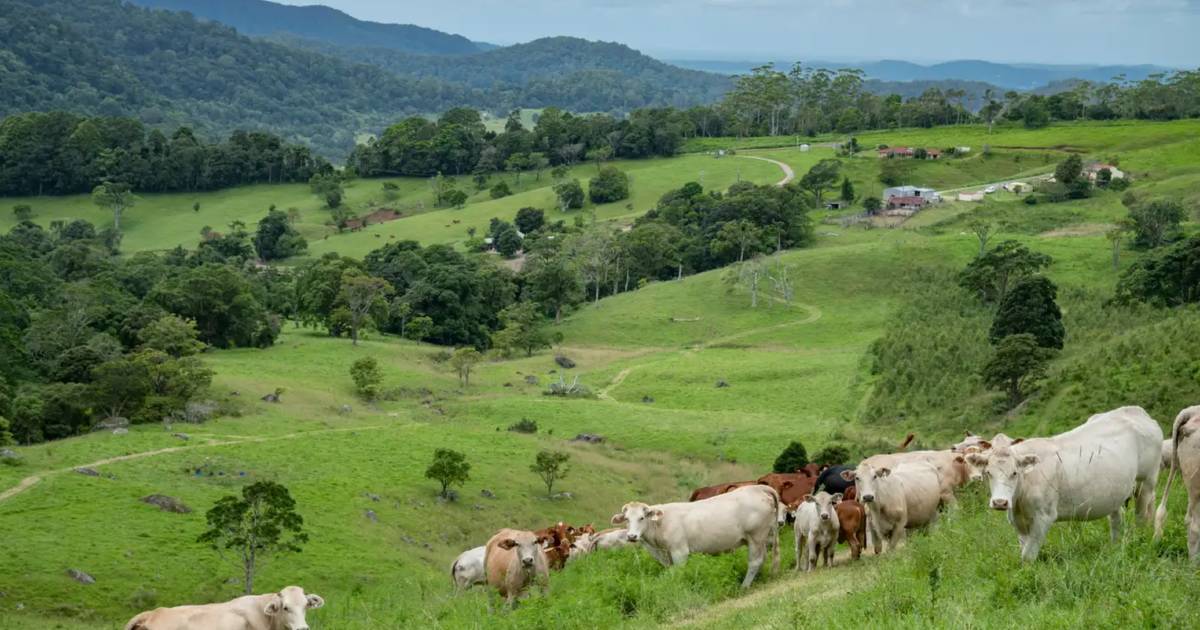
799, 371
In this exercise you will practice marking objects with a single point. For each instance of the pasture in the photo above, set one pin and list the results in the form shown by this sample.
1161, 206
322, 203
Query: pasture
382, 542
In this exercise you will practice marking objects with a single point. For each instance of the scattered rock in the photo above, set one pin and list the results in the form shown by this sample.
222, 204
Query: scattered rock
531, 379
508, 384
345, 409
166, 503
563, 496
371, 516
90, 472
590, 438
722, 383
427, 546
183, 436
7, 453
477, 506
372, 496
393, 415
120, 431
80, 576
271, 398
487, 494
647, 399
112, 422
451, 496
235, 393
564, 362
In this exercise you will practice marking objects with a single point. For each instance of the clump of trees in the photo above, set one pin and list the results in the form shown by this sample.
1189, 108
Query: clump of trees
608, 186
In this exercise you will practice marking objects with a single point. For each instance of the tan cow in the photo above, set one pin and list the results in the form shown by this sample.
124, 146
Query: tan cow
1185, 457
672, 531
284, 610
1084, 474
514, 560
898, 497
816, 529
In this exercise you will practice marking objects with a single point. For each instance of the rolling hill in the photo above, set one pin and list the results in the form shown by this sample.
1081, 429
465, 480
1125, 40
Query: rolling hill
319, 22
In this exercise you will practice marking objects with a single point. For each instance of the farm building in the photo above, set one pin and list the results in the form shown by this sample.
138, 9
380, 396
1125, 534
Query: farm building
1093, 171
928, 194
971, 196
837, 204
805, 148
907, 203
908, 152
1017, 187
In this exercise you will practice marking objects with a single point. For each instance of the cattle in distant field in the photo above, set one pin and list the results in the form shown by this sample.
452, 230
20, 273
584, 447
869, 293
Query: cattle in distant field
1185, 457
816, 529
671, 532
1084, 474
852, 525
709, 492
898, 496
467, 569
514, 561
284, 610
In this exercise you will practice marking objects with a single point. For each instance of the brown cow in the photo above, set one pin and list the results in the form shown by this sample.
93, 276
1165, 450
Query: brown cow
557, 543
709, 492
852, 524
791, 486
515, 559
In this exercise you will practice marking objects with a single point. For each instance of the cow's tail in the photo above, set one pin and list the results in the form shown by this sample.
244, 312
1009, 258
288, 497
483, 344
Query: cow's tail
454, 574
138, 622
907, 440
780, 515
1160, 516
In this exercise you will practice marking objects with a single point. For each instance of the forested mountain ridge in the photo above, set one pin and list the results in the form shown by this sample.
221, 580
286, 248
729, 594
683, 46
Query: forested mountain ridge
319, 22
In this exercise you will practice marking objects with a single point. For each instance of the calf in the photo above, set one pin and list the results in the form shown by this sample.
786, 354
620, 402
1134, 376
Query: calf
611, 539
514, 560
1084, 474
672, 531
852, 525
709, 492
1185, 457
284, 610
468, 569
897, 499
816, 529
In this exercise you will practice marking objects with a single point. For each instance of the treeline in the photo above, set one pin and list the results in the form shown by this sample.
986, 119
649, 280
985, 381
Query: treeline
62, 153
458, 143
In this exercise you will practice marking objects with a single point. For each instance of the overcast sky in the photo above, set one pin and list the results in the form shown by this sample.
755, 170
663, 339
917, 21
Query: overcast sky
1045, 31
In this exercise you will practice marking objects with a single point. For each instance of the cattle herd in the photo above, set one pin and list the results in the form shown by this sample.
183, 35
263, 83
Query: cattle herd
1087, 473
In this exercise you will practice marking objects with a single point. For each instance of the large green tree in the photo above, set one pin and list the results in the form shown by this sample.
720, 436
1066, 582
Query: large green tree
1030, 307
261, 523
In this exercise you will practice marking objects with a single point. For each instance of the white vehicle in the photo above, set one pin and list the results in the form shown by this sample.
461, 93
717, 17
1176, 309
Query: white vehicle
989, 190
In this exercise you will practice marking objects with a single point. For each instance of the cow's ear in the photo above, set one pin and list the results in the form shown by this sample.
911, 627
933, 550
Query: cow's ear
967, 433
960, 459
1017, 441
656, 515
848, 475
507, 543
273, 608
837, 498
977, 459
808, 498
985, 445
883, 472
618, 518
1026, 461
315, 601
787, 484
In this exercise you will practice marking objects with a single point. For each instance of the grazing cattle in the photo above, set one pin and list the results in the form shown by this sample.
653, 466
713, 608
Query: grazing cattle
830, 480
968, 441
583, 544
1185, 457
791, 487
558, 539
611, 539
515, 560
468, 569
1084, 474
852, 525
285, 610
672, 531
898, 498
709, 492
816, 529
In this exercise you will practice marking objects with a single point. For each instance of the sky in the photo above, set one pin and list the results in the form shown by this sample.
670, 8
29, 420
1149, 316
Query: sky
1161, 32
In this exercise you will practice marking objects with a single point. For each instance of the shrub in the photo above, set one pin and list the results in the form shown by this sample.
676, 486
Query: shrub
610, 185
832, 455
367, 377
500, 190
524, 425
791, 459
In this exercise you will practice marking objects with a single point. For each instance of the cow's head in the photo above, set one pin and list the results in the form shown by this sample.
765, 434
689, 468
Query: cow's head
638, 518
527, 546
1004, 468
583, 545
288, 607
866, 477
824, 503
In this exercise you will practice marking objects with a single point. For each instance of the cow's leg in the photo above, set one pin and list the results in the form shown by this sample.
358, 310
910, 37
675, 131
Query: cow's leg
658, 554
775, 549
814, 551
1145, 498
1193, 529
756, 553
1114, 524
678, 557
899, 531
1037, 535
799, 547
874, 534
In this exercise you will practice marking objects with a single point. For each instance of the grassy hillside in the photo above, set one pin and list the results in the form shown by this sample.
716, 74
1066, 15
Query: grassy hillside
806, 370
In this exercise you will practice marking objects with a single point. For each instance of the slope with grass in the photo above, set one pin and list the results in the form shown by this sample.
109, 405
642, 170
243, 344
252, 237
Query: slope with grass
794, 371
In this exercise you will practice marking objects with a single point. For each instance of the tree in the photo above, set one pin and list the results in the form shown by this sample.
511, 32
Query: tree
608, 186
448, 468
793, 458
115, 197
1030, 308
454, 198
22, 212
420, 328
983, 232
529, 220
749, 275
553, 282
822, 176
847, 190
1168, 276
1069, 170
832, 455
367, 377
362, 296
261, 523
172, 335
872, 205
276, 238
738, 236
991, 275
894, 172
1017, 363
328, 187
1116, 236
463, 361
524, 328
550, 466
500, 190
508, 242
569, 194
1156, 222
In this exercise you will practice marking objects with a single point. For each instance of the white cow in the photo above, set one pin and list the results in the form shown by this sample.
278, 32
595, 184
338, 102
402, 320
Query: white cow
672, 531
816, 529
284, 610
1084, 474
952, 468
468, 568
898, 496
1168, 451
1185, 457
611, 539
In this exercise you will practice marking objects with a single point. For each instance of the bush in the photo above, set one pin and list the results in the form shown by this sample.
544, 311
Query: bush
791, 459
525, 425
832, 455
367, 377
500, 190
610, 185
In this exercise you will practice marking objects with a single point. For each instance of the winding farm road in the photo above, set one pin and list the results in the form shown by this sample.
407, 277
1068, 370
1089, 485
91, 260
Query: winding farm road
788, 173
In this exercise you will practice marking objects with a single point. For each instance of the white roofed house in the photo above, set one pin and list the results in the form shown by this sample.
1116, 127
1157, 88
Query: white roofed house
927, 194
1093, 171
